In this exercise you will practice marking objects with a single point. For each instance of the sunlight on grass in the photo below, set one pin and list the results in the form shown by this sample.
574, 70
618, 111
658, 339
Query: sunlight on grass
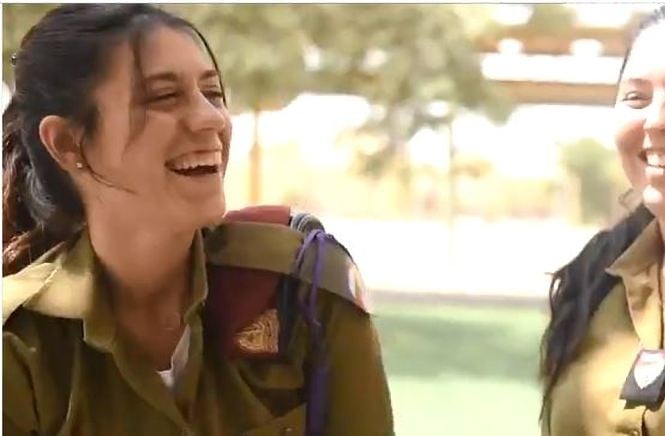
462, 370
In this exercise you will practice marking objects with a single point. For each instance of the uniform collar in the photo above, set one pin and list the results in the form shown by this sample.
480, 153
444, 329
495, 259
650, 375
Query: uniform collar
68, 285
645, 251
639, 269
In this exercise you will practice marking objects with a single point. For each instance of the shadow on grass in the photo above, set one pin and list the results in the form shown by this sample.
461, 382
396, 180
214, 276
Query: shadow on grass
423, 346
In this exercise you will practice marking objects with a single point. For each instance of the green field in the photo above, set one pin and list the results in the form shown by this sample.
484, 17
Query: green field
462, 369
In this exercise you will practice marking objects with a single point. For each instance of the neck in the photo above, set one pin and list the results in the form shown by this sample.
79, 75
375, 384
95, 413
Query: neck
148, 267
661, 231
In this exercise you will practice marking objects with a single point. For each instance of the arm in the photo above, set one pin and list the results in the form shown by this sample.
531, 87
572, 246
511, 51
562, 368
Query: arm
19, 410
359, 399
9, 428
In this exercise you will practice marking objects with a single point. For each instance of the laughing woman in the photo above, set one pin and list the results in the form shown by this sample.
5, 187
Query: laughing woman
129, 307
603, 357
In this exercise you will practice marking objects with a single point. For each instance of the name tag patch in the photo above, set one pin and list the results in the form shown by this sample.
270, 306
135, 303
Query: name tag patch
644, 384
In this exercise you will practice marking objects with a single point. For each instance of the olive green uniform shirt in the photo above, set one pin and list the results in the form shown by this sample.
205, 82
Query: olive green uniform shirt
67, 371
585, 401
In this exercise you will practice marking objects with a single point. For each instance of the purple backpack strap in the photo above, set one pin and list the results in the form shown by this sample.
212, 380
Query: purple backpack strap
318, 366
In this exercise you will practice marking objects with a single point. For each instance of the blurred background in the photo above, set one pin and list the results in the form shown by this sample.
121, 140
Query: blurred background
460, 152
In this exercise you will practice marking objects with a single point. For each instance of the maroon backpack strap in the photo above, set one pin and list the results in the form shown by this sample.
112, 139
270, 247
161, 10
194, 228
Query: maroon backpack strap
241, 308
261, 214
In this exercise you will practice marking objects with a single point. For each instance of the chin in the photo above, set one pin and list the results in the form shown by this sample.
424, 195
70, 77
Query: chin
213, 221
212, 217
654, 200
207, 213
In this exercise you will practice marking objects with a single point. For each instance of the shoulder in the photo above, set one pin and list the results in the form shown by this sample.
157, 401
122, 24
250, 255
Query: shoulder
296, 246
31, 338
54, 273
38, 355
259, 274
18, 289
31, 307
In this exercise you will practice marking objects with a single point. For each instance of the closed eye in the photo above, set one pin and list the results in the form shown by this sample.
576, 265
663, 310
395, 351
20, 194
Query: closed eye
215, 96
162, 97
632, 95
635, 99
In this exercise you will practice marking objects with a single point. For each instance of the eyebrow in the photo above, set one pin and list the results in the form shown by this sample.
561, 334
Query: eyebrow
169, 76
635, 81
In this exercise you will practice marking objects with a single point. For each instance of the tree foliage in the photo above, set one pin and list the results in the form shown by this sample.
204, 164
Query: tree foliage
395, 55
401, 57
404, 59
551, 19
593, 166
17, 18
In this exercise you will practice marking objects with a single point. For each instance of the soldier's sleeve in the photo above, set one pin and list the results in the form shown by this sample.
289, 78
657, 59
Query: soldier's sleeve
545, 429
19, 415
11, 429
359, 402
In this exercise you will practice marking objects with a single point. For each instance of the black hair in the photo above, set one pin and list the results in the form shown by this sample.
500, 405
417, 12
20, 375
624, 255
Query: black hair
59, 62
578, 288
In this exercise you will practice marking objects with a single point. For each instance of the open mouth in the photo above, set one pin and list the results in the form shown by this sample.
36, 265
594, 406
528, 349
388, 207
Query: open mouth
196, 164
202, 170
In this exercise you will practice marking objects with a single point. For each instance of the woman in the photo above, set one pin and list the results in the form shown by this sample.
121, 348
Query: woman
115, 146
603, 363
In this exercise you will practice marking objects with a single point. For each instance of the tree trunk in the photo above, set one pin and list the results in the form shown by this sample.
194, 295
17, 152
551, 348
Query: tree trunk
452, 194
452, 181
255, 163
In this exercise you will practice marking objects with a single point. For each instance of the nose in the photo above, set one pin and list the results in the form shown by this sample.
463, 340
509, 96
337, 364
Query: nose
655, 119
203, 115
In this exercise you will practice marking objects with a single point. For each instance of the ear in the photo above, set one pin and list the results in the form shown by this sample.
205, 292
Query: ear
60, 139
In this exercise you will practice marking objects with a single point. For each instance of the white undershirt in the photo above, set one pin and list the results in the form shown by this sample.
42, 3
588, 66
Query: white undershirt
178, 360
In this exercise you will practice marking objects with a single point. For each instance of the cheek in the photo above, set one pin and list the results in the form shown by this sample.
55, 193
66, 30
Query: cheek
154, 135
105, 152
131, 151
226, 137
629, 139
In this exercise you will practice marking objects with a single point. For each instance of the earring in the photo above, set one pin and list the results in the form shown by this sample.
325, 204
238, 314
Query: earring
79, 165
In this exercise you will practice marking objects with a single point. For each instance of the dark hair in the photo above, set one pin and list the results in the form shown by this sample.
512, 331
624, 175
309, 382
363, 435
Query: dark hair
578, 288
59, 62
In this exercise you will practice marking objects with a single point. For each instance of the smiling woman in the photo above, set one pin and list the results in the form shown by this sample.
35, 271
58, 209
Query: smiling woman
603, 352
132, 302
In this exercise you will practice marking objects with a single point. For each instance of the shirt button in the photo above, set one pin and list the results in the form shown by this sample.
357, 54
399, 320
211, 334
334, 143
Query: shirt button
288, 430
634, 433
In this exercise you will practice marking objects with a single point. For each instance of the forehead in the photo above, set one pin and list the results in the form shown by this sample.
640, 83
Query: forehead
161, 50
172, 50
647, 57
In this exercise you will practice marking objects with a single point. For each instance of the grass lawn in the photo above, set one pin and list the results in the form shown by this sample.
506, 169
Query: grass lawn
462, 369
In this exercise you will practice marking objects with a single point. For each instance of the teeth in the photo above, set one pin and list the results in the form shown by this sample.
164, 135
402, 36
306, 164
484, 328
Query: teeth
193, 160
655, 157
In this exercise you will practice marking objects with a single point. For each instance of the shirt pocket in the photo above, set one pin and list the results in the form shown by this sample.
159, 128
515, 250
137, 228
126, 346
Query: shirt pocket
290, 424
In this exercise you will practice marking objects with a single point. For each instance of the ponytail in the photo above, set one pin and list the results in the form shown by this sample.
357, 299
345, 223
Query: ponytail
29, 216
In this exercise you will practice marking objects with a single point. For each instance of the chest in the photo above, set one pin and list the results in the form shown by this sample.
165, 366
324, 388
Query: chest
587, 401
107, 395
